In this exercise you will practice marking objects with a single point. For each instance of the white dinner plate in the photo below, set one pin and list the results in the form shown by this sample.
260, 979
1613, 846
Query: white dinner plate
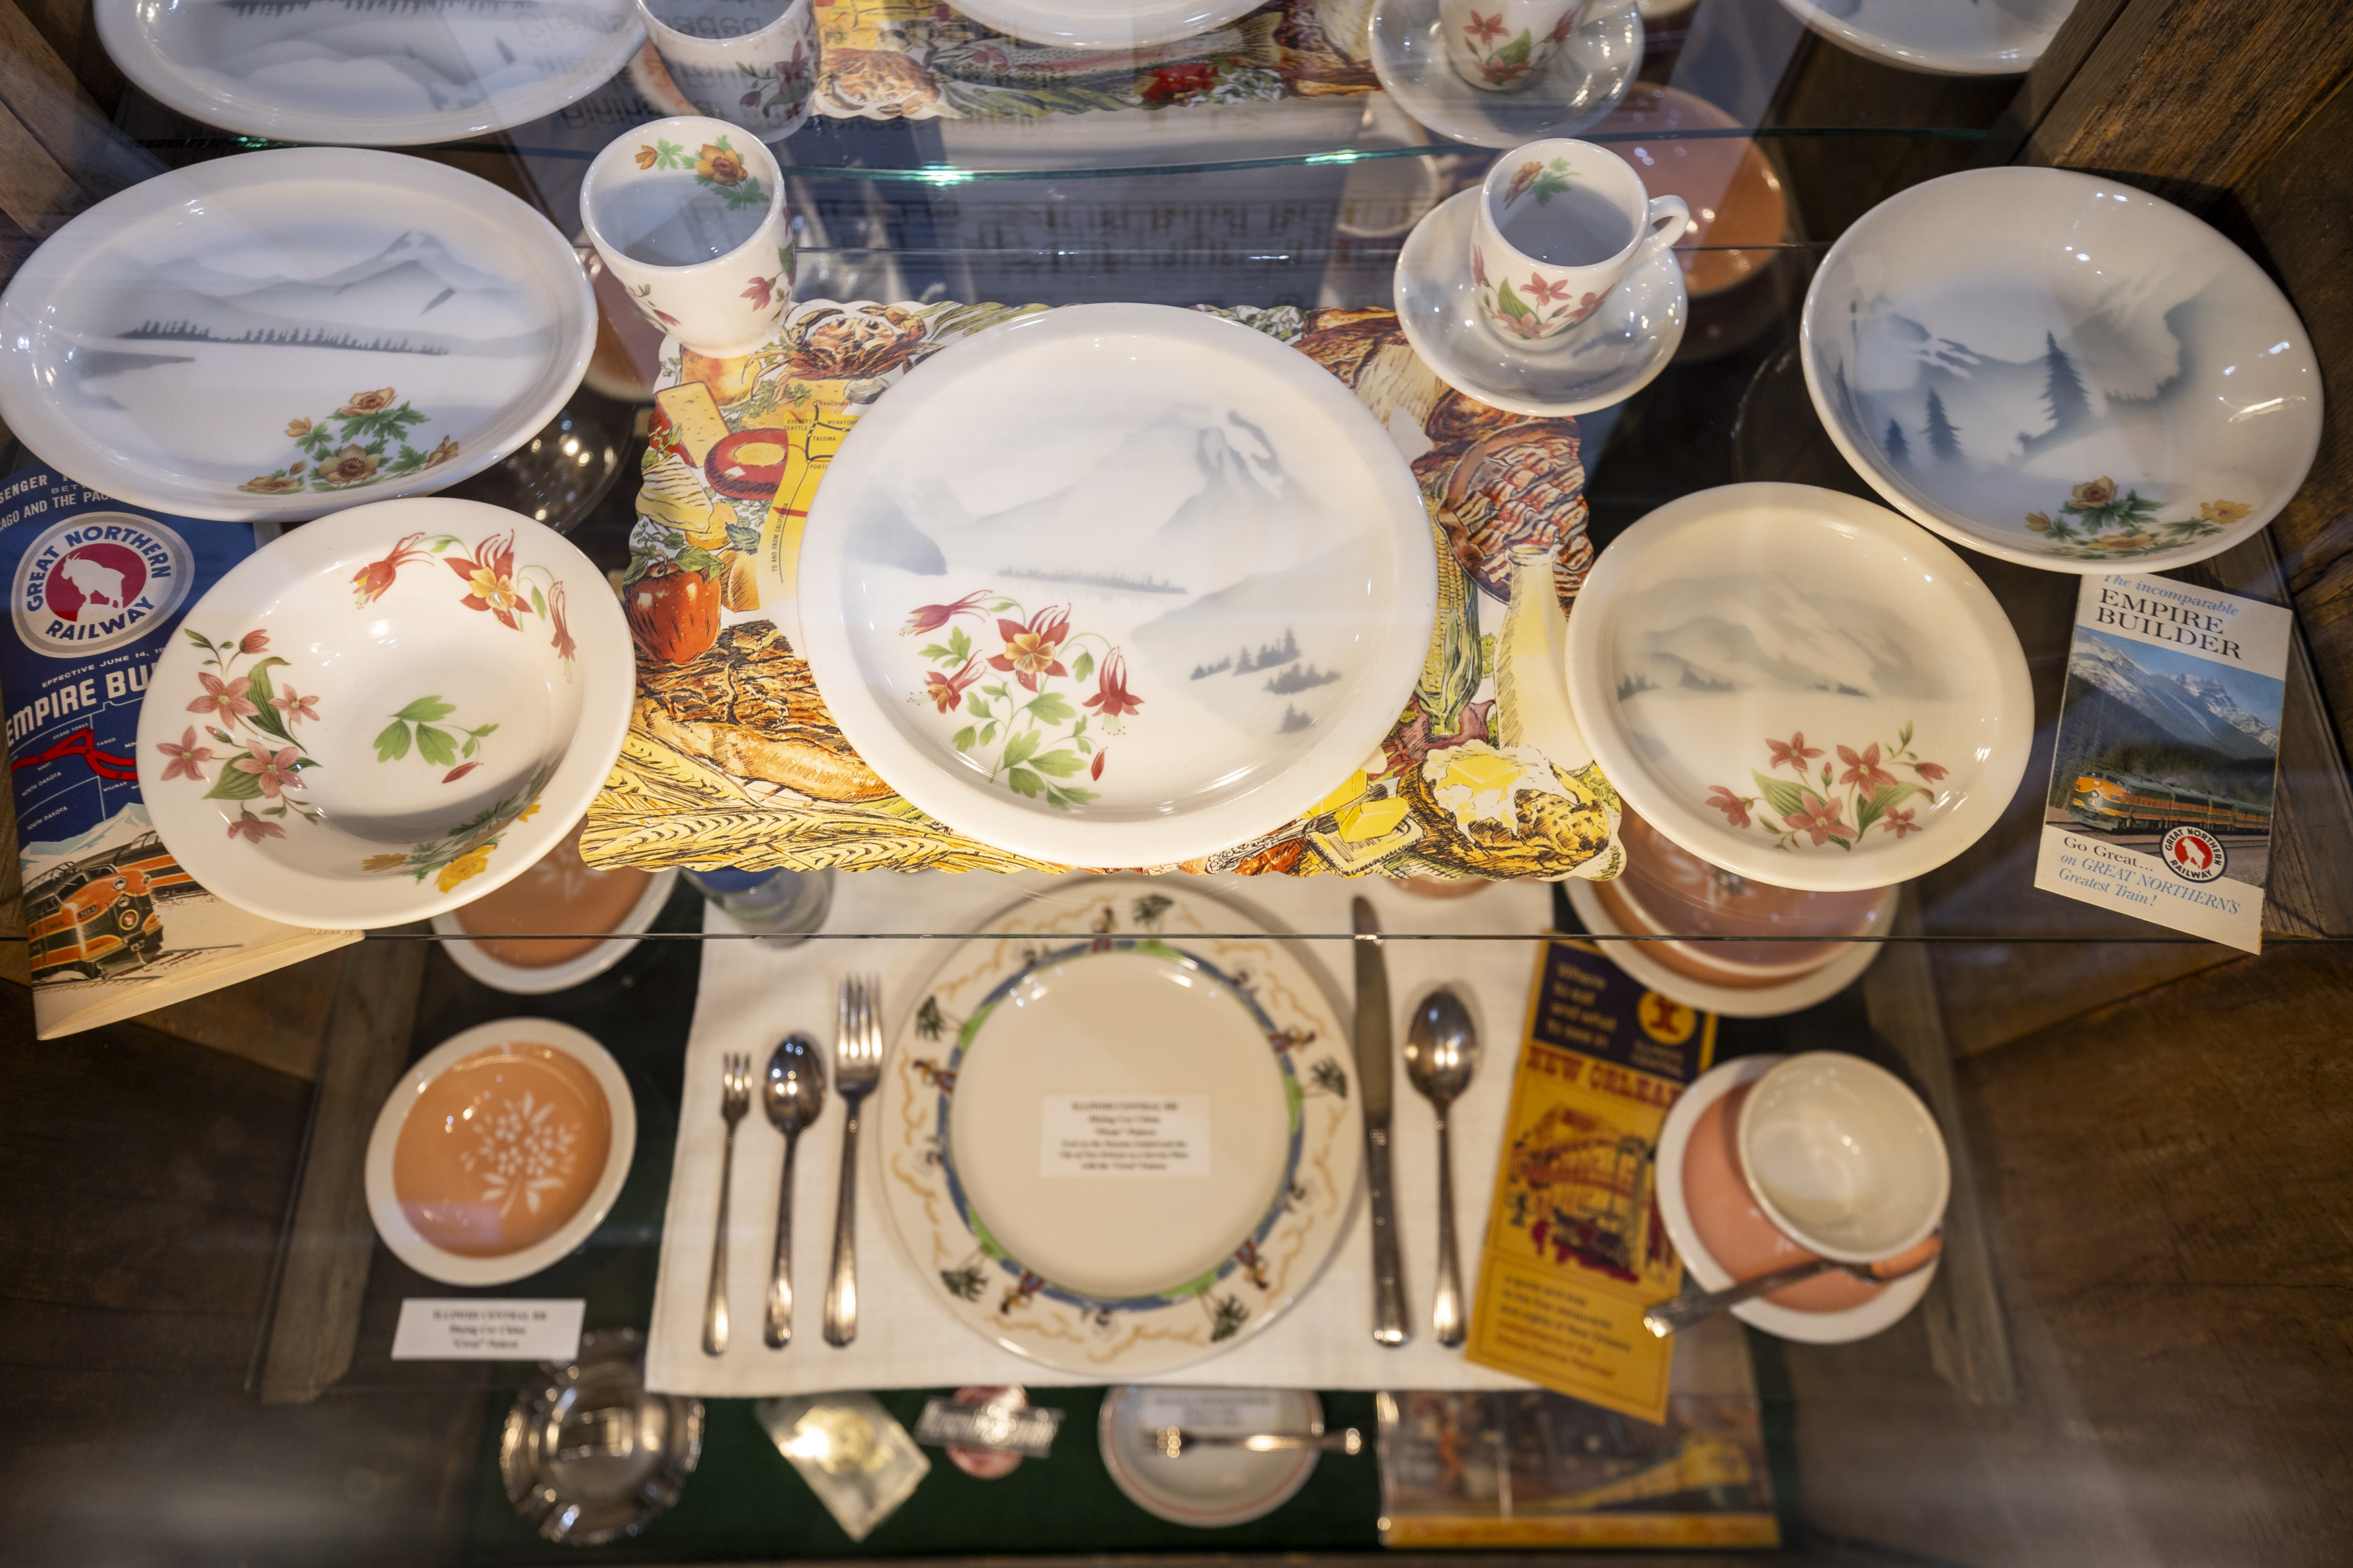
1095, 24
368, 73
1860, 1322
456, 1268
1800, 687
2061, 370
1980, 38
1116, 1143
275, 335
1117, 584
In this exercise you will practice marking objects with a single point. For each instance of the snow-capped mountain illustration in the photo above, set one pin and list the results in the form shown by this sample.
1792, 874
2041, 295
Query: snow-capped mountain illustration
2194, 709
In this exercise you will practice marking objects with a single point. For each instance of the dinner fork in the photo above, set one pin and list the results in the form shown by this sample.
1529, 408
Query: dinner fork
858, 1068
735, 1101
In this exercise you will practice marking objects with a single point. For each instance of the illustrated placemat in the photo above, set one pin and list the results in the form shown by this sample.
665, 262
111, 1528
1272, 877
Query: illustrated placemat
732, 758
915, 59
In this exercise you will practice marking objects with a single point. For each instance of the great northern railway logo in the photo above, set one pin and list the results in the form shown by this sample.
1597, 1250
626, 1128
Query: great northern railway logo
2192, 854
96, 582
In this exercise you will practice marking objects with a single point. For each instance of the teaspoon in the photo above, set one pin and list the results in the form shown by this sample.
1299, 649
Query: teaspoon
793, 1095
1442, 1052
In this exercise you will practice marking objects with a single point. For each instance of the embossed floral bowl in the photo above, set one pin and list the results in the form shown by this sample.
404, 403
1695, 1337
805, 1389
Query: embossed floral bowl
2063, 371
1800, 687
385, 713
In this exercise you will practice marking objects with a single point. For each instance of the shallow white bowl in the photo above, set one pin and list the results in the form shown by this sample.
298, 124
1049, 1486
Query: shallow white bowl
2114, 383
465, 951
1984, 38
1732, 622
1843, 1158
422, 750
458, 1268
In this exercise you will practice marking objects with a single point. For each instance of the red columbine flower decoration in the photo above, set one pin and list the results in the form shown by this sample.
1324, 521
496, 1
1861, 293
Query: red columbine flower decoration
932, 617
1794, 752
1735, 809
224, 696
1484, 29
1863, 769
186, 757
562, 641
947, 691
1821, 820
1544, 293
1094, 769
295, 706
253, 642
490, 576
255, 829
1932, 772
370, 580
275, 770
1111, 699
1899, 823
1029, 650
762, 290
1562, 28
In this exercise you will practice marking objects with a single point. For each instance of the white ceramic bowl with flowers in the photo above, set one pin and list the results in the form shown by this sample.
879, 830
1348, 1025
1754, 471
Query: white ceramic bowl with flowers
385, 713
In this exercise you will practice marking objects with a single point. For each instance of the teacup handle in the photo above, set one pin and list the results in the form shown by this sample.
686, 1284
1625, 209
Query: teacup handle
1676, 216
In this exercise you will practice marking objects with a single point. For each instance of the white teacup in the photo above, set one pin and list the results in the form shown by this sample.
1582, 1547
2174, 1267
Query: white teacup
1843, 1158
1559, 223
1501, 46
732, 67
688, 215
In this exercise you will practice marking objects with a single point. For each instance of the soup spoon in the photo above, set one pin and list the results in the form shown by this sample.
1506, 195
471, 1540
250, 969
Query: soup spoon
791, 1096
1442, 1052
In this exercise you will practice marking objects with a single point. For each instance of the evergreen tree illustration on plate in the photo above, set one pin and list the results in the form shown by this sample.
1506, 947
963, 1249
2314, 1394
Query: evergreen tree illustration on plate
1944, 440
2063, 398
1899, 450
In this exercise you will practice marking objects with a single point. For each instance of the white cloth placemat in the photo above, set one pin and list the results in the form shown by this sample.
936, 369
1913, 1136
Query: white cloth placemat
752, 995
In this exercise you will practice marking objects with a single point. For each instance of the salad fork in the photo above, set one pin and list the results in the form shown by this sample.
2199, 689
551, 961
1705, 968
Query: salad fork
858, 1068
734, 1102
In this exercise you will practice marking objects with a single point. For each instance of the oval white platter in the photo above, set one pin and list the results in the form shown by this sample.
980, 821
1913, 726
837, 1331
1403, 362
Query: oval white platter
2061, 370
1117, 584
1093, 24
275, 335
1899, 1297
1102, 1265
1983, 37
1800, 687
458, 1268
369, 73
385, 713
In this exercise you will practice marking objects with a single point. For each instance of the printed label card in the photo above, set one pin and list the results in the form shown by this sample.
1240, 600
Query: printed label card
2168, 756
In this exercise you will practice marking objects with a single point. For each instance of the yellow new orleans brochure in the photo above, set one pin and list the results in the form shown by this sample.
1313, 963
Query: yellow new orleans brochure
1575, 1249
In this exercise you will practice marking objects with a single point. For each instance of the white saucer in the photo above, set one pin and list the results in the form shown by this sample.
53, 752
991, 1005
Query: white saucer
465, 952
1610, 355
1986, 38
1727, 1000
455, 1269
1590, 74
1206, 1488
1807, 1328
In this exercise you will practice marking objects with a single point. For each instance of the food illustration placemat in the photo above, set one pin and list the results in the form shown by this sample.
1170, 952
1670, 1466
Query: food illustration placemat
913, 60
732, 759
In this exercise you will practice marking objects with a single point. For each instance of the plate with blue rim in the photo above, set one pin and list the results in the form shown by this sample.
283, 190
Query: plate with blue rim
1120, 1132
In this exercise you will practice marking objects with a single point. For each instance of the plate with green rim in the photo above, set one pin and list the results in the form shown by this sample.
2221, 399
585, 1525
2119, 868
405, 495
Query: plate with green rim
1119, 1134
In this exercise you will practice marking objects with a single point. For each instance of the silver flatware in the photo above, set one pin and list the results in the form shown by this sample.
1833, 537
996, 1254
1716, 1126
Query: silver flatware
735, 1099
793, 1096
857, 1069
1670, 1317
1173, 1441
1373, 1044
1441, 1053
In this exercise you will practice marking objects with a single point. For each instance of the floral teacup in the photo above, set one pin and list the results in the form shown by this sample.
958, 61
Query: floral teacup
1559, 223
732, 67
1501, 46
688, 216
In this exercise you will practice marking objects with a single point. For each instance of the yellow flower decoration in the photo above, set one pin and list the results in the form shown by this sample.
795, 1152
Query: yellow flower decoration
2039, 522
497, 593
384, 862
472, 864
720, 166
528, 811
298, 428
2223, 513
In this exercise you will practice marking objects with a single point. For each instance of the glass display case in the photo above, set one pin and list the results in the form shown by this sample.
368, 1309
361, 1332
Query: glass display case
207, 1330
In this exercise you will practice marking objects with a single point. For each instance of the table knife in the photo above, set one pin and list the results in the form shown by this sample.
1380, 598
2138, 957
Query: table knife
1373, 1069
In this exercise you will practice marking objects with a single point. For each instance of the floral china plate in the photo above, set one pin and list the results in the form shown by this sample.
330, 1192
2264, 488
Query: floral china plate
2061, 370
385, 713
1120, 1134
1606, 358
1116, 584
369, 73
1984, 38
278, 334
1882, 1309
1590, 73
1800, 687
1092, 25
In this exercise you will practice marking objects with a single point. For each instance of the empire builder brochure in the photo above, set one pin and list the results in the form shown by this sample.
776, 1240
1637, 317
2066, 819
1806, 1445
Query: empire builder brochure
2168, 756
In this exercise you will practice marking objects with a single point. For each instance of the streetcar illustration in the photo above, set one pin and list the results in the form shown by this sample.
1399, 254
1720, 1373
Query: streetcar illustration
96, 917
2127, 802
